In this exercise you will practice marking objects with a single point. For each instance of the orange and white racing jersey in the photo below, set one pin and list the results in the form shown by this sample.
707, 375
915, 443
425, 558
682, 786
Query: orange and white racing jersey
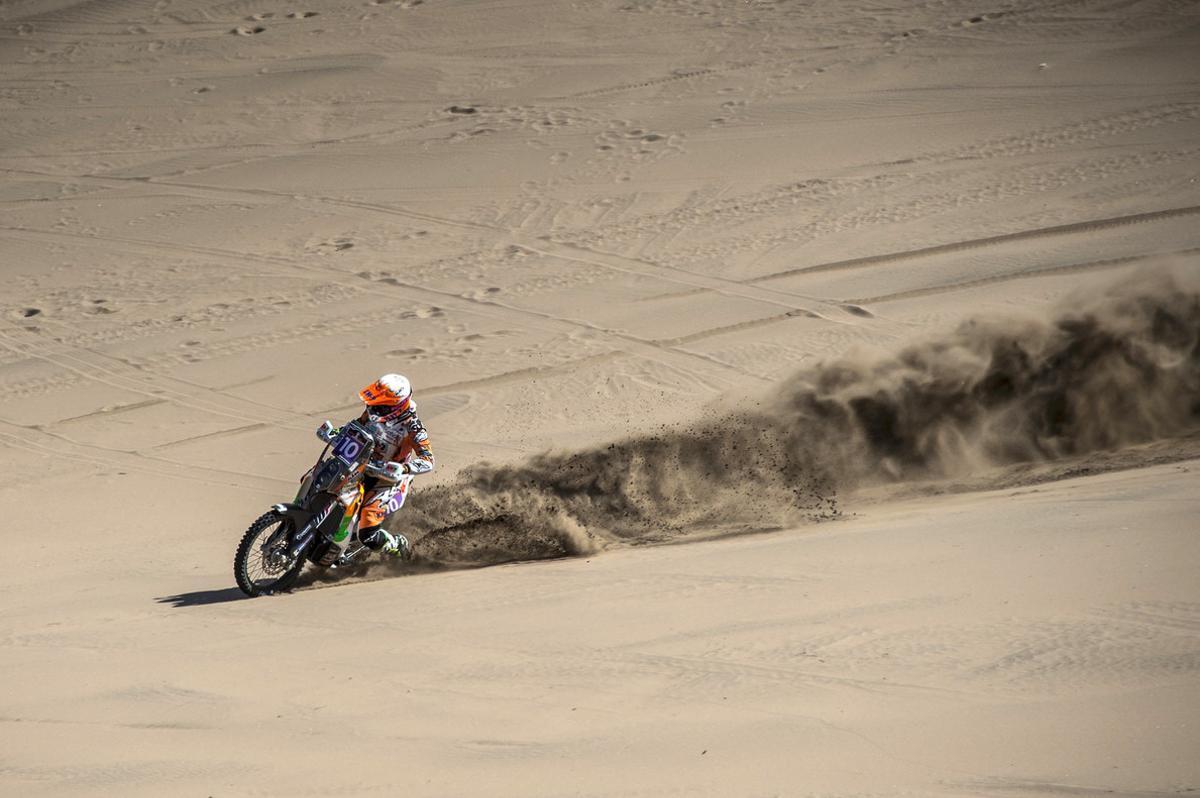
405, 440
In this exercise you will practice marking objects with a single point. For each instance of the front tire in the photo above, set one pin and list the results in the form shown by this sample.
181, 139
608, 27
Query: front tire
260, 565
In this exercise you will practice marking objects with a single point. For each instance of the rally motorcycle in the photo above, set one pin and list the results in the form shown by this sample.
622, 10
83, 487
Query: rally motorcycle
319, 526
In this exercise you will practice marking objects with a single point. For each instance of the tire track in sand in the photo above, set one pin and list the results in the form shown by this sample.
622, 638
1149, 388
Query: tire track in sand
157, 387
1046, 271
1032, 234
41, 442
547, 322
1092, 226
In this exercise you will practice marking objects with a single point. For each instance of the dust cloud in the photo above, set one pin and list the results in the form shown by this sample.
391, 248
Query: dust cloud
1116, 367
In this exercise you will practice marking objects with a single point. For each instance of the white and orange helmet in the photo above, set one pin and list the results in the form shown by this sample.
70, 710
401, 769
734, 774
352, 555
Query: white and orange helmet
388, 396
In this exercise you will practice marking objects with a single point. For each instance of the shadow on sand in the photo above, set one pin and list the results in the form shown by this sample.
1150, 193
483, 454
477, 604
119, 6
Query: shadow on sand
201, 597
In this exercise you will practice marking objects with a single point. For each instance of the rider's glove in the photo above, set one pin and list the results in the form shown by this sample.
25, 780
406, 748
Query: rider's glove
327, 432
391, 471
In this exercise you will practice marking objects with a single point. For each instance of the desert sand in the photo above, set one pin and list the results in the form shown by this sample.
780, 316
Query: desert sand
839, 359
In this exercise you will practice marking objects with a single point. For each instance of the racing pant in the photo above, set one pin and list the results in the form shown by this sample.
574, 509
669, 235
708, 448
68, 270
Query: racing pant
381, 500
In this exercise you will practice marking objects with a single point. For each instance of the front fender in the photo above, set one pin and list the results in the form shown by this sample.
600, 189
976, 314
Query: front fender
297, 514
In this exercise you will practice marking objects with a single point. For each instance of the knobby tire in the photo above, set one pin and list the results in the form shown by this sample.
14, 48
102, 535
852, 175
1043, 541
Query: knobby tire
241, 560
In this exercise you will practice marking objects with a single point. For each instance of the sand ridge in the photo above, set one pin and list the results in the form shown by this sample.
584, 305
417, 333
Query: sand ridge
579, 226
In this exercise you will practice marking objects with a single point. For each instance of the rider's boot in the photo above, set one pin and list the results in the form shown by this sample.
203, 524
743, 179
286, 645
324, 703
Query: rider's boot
396, 545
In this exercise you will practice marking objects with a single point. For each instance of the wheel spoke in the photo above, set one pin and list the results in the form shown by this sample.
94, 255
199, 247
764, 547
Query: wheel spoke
262, 563
258, 568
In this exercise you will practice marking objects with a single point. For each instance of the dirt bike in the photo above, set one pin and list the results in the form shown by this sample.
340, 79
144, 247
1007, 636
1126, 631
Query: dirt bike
319, 526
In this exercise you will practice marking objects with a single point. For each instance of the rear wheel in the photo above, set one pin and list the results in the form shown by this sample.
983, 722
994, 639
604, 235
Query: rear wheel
262, 565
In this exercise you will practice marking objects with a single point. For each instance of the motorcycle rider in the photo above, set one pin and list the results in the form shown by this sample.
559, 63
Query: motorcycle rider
402, 452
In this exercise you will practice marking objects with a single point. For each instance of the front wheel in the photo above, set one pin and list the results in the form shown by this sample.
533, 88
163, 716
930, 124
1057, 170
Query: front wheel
261, 565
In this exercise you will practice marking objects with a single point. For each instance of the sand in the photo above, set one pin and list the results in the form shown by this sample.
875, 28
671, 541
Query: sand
573, 224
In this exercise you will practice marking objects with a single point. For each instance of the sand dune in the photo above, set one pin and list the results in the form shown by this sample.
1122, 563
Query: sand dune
907, 291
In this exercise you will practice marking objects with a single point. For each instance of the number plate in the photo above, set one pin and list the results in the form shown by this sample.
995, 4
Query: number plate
347, 448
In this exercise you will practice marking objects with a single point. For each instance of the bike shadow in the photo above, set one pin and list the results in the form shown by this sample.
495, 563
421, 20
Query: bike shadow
199, 598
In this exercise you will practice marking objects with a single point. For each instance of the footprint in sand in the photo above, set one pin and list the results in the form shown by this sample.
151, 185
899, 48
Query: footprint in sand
978, 20
334, 245
858, 311
431, 312
482, 294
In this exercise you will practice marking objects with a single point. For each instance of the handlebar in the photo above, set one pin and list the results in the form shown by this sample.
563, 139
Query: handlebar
327, 432
392, 471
